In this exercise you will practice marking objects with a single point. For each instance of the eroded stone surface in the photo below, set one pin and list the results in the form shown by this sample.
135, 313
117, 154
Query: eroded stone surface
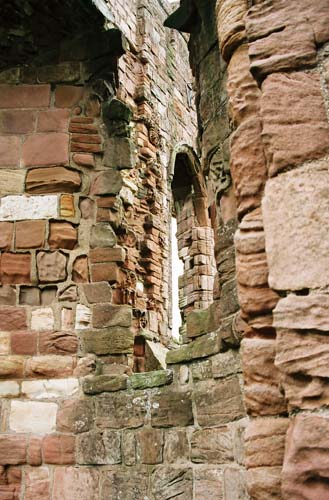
296, 215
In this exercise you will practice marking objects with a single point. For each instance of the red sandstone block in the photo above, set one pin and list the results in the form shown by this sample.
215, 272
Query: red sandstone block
10, 151
12, 450
105, 272
24, 343
15, 269
24, 96
53, 120
17, 121
30, 234
34, 456
67, 96
6, 235
46, 149
58, 449
12, 318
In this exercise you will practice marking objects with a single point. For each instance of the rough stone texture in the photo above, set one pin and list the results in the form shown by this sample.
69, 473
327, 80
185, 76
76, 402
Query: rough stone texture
51, 266
62, 235
99, 448
12, 318
52, 180
242, 89
171, 408
296, 214
115, 340
305, 468
108, 182
74, 483
218, 404
11, 182
15, 268
265, 441
111, 410
302, 312
170, 482
213, 446
116, 482
30, 234
28, 207
300, 135
231, 26
261, 378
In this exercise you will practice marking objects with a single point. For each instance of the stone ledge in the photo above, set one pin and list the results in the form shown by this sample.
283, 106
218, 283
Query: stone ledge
201, 348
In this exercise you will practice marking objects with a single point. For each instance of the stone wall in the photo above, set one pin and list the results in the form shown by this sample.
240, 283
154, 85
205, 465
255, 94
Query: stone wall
277, 89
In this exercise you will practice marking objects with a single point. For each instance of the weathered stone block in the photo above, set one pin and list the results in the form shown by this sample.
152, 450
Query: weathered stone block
292, 138
46, 149
248, 164
242, 89
171, 408
292, 242
58, 343
261, 377
149, 446
98, 292
75, 483
113, 340
121, 410
6, 235
108, 271
24, 343
80, 269
51, 267
197, 323
208, 483
231, 25
25, 417
12, 367
305, 468
17, 121
67, 96
102, 235
62, 235
264, 482
172, 482
302, 312
10, 151
12, 318
265, 442
176, 449
50, 389
58, 449
24, 96
52, 180
212, 446
30, 234
53, 120
11, 181
15, 268
201, 348
133, 482
75, 416
119, 153
104, 383
12, 449
95, 448
148, 380
106, 315
28, 207
7, 295
37, 484
49, 366
218, 402
105, 183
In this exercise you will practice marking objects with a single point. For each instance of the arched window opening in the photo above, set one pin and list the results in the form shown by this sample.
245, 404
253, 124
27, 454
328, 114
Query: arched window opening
195, 241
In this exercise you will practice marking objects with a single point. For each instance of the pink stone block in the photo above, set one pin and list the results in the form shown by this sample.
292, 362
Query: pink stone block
24, 96
46, 149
